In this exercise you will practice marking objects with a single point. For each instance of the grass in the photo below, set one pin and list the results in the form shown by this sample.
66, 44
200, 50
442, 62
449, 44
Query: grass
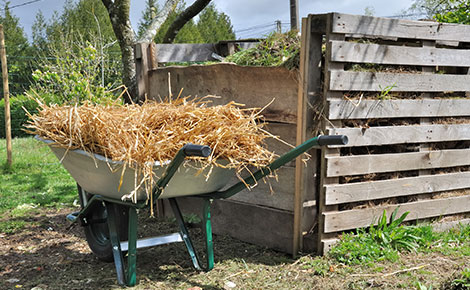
35, 179
387, 240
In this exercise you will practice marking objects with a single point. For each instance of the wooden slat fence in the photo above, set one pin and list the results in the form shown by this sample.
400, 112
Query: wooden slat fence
397, 89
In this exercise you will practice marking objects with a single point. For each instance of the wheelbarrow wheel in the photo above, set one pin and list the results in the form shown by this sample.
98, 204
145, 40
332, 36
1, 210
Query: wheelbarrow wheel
97, 232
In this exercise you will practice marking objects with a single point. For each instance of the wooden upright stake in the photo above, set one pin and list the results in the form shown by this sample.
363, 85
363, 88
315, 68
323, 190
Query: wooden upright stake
6, 95
294, 14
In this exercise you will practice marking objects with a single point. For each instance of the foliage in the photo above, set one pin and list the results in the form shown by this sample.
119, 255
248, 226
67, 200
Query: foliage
17, 114
460, 13
278, 49
35, 179
150, 11
79, 22
17, 49
381, 242
73, 75
214, 26
451, 11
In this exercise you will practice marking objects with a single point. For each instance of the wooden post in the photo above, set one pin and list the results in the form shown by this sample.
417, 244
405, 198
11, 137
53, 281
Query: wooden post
308, 93
294, 14
6, 95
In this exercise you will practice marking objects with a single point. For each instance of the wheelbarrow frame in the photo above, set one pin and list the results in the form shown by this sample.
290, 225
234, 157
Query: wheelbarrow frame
129, 277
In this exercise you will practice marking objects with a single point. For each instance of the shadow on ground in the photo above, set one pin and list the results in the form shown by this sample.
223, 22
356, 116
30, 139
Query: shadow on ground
52, 254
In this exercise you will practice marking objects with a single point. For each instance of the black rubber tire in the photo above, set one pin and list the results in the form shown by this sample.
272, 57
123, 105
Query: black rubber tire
97, 234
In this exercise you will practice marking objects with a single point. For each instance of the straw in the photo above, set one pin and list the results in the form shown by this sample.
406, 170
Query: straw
140, 135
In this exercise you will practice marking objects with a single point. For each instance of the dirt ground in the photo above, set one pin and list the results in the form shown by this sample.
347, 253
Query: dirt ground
52, 254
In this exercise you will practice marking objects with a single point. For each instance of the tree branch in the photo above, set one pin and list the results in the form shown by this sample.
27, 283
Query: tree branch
183, 18
158, 20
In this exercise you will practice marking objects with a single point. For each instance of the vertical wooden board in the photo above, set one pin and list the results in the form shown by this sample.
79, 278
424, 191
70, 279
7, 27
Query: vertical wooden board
142, 69
308, 93
253, 224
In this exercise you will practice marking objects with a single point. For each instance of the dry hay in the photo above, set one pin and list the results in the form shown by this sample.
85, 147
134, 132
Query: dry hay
140, 135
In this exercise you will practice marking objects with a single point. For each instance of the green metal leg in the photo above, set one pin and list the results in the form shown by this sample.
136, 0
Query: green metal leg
187, 240
115, 243
184, 233
132, 250
206, 219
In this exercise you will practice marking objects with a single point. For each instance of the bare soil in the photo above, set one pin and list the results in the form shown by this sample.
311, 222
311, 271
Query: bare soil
52, 254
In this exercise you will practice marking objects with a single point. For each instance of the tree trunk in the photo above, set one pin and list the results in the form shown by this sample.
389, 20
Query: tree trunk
119, 15
183, 18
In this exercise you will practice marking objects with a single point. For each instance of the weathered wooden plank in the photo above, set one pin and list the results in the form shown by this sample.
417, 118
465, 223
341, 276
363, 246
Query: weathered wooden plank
362, 191
401, 28
398, 55
252, 86
364, 164
286, 132
358, 218
184, 52
270, 192
403, 134
258, 225
368, 109
445, 226
398, 82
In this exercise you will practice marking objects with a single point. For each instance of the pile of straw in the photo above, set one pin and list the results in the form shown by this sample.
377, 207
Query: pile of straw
139, 135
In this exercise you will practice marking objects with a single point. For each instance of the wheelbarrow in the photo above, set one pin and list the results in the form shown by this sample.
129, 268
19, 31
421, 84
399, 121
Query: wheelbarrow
110, 223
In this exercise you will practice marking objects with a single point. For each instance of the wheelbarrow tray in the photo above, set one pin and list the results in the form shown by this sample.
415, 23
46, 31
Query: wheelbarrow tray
97, 174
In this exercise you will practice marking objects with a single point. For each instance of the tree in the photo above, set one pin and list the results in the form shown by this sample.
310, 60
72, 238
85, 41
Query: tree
187, 34
150, 12
460, 13
211, 27
430, 8
118, 11
17, 48
214, 26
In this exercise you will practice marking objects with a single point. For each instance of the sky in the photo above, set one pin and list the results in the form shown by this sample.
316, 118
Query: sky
250, 18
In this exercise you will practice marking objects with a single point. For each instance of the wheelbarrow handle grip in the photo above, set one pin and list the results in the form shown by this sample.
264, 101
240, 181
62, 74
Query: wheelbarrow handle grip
332, 140
196, 150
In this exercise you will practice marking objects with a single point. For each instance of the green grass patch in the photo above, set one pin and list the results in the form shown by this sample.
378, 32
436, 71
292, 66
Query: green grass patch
385, 241
36, 178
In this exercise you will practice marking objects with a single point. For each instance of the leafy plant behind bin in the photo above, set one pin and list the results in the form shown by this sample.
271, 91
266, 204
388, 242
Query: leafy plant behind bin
278, 49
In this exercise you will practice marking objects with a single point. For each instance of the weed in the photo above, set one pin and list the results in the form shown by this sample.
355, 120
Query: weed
278, 49
380, 242
317, 265
420, 286
393, 234
463, 282
384, 92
